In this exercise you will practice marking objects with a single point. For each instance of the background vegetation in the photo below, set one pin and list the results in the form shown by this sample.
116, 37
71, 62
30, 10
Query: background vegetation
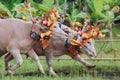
99, 11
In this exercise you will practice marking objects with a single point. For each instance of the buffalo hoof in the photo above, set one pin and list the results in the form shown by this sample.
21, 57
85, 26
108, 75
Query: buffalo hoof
9, 72
91, 66
52, 73
41, 71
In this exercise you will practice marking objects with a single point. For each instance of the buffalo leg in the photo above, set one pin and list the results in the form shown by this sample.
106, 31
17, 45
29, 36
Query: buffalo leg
49, 57
17, 56
81, 60
35, 57
7, 59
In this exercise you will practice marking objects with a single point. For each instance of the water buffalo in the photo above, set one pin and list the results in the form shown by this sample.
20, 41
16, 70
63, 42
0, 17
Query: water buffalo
17, 37
59, 46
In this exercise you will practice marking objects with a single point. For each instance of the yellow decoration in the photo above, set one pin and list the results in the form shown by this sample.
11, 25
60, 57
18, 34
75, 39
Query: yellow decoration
73, 42
24, 18
45, 41
45, 34
22, 9
52, 17
78, 24
90, 34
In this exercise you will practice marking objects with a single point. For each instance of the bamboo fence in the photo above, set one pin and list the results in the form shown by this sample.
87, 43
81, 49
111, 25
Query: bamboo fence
96, 59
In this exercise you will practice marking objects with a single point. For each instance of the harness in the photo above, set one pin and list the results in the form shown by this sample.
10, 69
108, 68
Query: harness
36, 36
60, 25
66, 42
33, 34
73, 50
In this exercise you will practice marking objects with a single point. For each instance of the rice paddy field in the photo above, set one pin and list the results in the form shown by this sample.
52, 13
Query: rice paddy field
70, 69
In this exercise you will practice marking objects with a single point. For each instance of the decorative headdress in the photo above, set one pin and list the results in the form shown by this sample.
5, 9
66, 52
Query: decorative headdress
91, 33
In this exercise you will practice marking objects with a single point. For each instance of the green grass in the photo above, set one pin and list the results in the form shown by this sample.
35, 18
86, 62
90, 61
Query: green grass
65, 69
68, 69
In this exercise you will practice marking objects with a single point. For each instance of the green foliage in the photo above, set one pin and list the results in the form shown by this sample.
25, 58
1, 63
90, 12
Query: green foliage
4, 11
72, 16
95, 8
61, 1
38, 1
117, 18
109, 2
116, 2
81, 15
106, 7
105, 31
109, 16
92, 10
10, 3
98, 5
6, 7
44, 7
59, 9
98, 10
20, 11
